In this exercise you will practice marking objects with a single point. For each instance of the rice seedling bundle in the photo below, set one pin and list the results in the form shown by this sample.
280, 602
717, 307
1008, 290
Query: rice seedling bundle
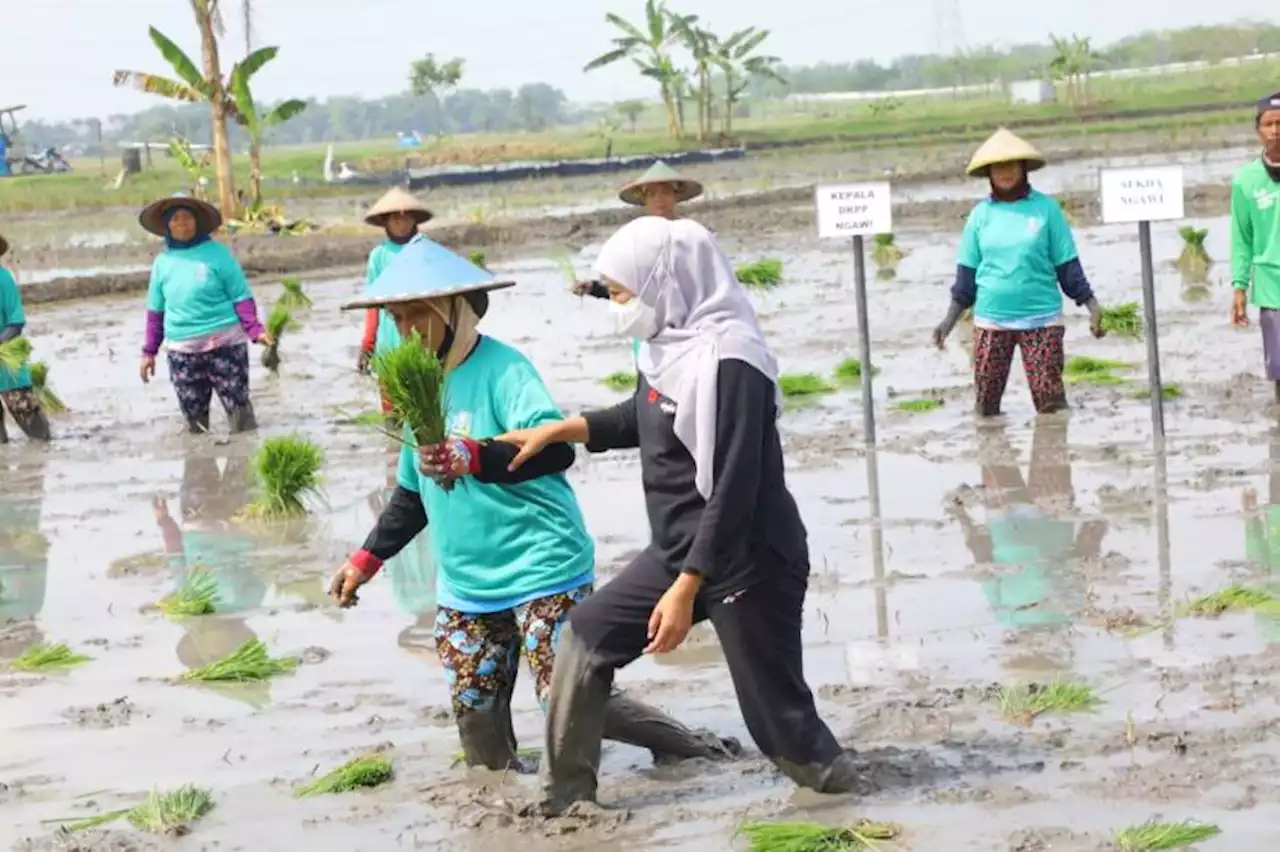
48, 400
171, 813
620, 380
850, 370
42, 658
1194, 259
287, 469
762, 274
1157, 836
1170, 391
1022, 704
885, 252
362, 772
249, 662
293, 297
1122, 320
279, 321
1234, 598
412, 378
14, 353
803, 384
1096, 371
477, 257
196, 596
917, 406
815, 837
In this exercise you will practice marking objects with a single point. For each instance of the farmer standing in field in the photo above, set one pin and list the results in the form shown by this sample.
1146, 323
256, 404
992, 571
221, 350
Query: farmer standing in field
512, 549
16, 392
200, 304
1255, 237
1016, 253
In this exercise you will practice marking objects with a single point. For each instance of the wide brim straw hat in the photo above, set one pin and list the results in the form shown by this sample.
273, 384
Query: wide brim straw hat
424, 269
152, 217
660, 172
4, 246
1004, 146
397, 200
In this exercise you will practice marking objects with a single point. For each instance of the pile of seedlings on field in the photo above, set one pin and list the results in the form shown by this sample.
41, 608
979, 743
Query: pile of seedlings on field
1122, 320
286, 469
803, 385
42, 657
1023, 703
1234, 598
1157, 836
1171, 391
15, 353
247, 663
919, 406
1194, 260
1094, 371
885, 252
816, 837
849, 371
620, 380
48, 400
169, 814
279, 321
359, 773
762, 274
197, 595
293, 297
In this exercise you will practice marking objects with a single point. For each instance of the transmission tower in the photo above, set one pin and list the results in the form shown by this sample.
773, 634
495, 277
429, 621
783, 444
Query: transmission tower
948, 28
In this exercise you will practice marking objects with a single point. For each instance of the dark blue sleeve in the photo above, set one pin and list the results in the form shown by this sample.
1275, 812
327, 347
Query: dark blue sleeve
1073, 281
965, 291
9, 332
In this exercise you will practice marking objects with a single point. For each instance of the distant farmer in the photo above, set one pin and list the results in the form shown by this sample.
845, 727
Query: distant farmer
400, 215
1255, 237
1016, 252
16, 392
199, 303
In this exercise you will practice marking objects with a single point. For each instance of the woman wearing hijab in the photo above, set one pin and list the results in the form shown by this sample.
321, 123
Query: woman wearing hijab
512, 550
1016, 254
16, 392
728, 543
199, 303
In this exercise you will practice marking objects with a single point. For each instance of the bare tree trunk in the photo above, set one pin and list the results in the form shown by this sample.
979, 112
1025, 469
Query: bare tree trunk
668, 100
218, 111
728, 105
255, 171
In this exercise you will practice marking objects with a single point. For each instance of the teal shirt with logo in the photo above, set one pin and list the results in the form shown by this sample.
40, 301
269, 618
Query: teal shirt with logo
197, 289
498, 546
1015, 248
11, 313
388, 336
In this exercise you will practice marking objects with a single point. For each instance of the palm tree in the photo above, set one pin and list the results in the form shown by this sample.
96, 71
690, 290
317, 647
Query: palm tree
648, 47
253, 121
735, 57
701, 44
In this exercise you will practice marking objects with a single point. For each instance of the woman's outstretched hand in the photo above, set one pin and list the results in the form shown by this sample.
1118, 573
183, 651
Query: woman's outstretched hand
147, 369
530, 442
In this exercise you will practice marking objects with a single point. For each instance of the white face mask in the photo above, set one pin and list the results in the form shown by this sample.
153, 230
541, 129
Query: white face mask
634, 319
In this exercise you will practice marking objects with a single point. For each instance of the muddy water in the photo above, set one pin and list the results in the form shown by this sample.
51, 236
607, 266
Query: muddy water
1011, 553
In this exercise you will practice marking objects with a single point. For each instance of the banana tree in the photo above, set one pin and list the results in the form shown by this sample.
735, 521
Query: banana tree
701, 44
738, 64
648, 47
253, 121
1071, 62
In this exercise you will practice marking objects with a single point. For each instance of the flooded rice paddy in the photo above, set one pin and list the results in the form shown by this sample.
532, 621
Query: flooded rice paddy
1023, 550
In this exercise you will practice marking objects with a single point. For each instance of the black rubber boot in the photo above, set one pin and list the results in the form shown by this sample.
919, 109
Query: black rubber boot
840, 776
37, 428
4, 434
576, 714
635, 723
242, 419
198, 425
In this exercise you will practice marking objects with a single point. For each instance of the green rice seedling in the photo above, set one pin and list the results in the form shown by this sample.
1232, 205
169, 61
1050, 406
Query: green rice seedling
885, 251
287, 469
803, 384
763, 274
14, 353
1023, 703
171, 813
412, 378
1194, 260
279, 321
362, 772
48, 400
249, 662
293, 297
886, 273
43, 658
1234, 598
1122, 320
1171, 391
477, 257
564, 262
526, 754
1156, 836
72, 825
815, 837
850, 370
196, 596
919, 406
620, 380
1095, 371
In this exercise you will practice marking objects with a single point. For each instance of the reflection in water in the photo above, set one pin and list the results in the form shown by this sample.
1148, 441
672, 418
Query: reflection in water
24, 549
1262, 535
1029, 534
868, 663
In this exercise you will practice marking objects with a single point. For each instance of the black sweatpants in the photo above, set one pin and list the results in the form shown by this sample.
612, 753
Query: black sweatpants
760, 631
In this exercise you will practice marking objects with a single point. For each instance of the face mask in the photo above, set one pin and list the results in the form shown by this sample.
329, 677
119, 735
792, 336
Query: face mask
634, 319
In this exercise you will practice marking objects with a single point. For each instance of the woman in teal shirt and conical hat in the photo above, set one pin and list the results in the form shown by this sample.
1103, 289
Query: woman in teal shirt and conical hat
16, 392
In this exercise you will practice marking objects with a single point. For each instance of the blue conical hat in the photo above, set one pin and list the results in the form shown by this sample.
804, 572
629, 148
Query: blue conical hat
424, 269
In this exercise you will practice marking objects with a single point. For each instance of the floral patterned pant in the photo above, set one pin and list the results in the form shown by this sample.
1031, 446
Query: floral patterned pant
481, 653
1042, 359
198, 375
25, 410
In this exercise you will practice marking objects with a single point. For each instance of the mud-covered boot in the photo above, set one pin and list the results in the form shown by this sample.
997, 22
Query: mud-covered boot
198, 425
839, 776
636, 723
36, 426
488, 736
576, 713
4, 434
242, 419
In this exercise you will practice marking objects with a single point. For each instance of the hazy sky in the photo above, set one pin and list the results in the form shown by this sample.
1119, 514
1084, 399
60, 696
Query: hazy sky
57, 56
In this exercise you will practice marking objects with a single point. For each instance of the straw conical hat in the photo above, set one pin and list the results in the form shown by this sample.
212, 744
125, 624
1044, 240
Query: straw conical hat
4, 246
1004, 147
660, 172
208, 219
397, 200
424, 269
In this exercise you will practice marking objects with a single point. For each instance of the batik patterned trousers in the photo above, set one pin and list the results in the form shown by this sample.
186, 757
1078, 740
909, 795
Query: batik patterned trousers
1042, 359
197, 376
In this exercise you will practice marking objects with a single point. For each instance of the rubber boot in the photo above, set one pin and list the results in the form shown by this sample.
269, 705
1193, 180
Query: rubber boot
576, 713
488, 736
4, 434
636, 723
839, 776
242, 419
198, 425
37, 427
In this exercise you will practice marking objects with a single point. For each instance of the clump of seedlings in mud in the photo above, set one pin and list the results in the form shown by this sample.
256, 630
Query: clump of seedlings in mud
1194, 260
1094, 371
762, 274
885, 251
816, 837
359, 773
171, 814
1234, 598
48, 400
279, 321
1122, 320
287, 470
1023, 703
620, 380
919, 406
250, 662
15, 353
477, 257
850, 370
196, 596
1156, 836
803, 385
1171, 391
293, 297
42, 657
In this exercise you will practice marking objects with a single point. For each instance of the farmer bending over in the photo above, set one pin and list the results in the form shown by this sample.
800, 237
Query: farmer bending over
16, 392
513, 552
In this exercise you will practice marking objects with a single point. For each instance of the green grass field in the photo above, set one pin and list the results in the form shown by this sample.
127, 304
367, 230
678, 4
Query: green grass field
1167, 104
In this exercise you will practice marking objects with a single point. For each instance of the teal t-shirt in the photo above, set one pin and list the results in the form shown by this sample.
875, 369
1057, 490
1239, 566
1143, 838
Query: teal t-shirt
1016, 248
388, 336
498, 546
11, 313
197, 289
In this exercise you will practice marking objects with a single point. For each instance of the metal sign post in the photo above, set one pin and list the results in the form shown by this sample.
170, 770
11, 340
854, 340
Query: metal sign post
1143, 196
877, 544
855, 211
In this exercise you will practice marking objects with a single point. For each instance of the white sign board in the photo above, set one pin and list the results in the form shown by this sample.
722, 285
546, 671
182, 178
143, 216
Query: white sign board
853, 209
1151, 194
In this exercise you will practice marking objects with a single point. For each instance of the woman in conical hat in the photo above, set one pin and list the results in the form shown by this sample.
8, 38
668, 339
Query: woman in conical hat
400, 215
511, 548
16, 391
1017, 259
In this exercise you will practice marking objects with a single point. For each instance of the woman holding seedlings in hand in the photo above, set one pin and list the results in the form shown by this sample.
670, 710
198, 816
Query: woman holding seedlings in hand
728, 543
16, 391
512, 549
1016, 253
199, 302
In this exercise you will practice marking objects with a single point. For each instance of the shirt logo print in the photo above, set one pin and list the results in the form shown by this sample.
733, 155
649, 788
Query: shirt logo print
460, 424
202, 273
1034, 224
1264, 199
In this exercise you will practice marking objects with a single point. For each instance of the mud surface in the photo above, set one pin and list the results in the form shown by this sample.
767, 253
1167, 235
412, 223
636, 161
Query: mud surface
1026, 551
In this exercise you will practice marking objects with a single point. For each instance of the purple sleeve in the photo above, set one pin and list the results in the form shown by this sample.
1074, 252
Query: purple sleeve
155, 332
247, 311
